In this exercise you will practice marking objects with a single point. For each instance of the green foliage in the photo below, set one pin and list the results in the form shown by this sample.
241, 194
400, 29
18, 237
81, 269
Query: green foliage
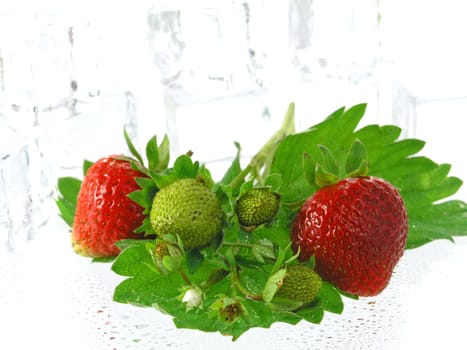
229, 286
68, 188
421, 182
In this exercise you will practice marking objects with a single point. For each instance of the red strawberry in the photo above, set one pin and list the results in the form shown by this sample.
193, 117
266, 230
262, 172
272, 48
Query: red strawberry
104, 213
357, 230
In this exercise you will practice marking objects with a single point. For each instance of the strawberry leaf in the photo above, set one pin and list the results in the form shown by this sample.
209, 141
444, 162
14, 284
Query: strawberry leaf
309, 170
336, 133
86, 165
244, 269
438, 221
421, 181
229, 286
312, 314
194, 260
330, 299
68, 188
274, 181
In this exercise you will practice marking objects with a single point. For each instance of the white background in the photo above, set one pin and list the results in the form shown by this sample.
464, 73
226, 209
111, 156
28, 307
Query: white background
51, 298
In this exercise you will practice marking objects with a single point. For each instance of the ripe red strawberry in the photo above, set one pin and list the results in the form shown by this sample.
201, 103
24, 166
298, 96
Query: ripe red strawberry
104, 213
357, 230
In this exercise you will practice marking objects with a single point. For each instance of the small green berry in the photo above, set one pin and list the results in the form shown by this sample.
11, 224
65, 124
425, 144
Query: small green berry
166, 256
231, 312
161, 249
301, 284
257, 206
188, 209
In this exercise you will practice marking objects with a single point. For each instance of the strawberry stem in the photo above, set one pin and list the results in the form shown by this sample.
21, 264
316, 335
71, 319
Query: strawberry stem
262, 160
184, 277
241, 288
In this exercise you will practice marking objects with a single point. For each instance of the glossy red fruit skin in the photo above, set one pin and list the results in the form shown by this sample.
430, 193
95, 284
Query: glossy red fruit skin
357, 231
104, 213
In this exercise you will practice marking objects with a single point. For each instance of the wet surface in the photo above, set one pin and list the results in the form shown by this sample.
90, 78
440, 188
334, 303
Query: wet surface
63, 300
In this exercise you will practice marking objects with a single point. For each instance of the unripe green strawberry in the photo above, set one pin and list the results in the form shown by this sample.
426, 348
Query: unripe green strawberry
257, 206
161, 249
166, 256
188, 209
231, 312
301, 284
227, 309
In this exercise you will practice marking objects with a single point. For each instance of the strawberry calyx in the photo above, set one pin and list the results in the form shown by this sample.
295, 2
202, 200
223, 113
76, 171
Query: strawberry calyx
329, 170
158, 157
160, 175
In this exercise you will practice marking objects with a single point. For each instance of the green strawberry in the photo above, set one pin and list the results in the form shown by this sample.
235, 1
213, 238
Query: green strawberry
257, 206
301, 284
166, 256
188, 209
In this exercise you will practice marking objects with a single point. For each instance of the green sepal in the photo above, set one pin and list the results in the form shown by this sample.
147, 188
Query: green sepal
158, 156
185, 167
245, 187
162, 179
324, 177
311, 263
330, 298
152, 153
272, 285
144, 198
234, 168
281, 256
356, 163
328, 161
145, 227
132, 147
172, 263
329, 171
145, 195
164, 153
